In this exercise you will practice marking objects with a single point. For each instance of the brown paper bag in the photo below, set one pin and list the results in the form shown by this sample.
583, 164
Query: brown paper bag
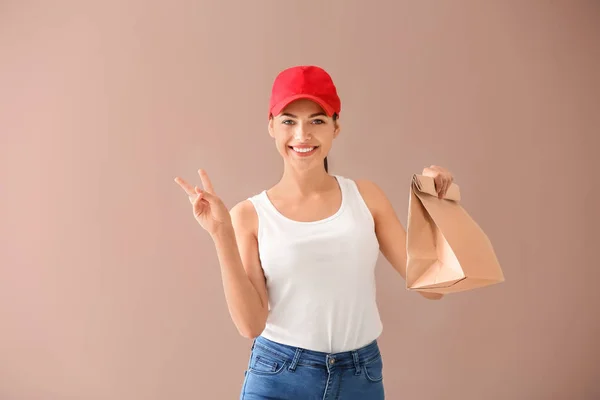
447, 251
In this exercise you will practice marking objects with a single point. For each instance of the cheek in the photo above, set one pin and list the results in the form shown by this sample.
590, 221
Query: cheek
326, 137
282, 138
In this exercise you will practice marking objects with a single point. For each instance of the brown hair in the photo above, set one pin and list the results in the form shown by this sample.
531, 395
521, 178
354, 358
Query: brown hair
325, 163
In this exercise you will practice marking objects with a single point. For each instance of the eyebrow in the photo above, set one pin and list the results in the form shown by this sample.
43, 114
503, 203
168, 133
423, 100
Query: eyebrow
319, 114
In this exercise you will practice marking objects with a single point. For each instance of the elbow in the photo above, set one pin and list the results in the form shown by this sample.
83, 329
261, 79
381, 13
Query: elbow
252, 330
249, 334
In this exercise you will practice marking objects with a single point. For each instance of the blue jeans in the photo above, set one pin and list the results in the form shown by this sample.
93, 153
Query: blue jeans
281, 372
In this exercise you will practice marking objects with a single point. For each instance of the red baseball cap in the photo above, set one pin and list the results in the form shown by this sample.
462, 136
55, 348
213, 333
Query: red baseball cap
304, 82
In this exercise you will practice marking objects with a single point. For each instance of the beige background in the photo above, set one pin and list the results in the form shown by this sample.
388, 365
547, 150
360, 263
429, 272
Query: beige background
110, 290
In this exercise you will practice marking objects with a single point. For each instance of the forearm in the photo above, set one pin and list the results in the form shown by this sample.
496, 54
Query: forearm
245, 306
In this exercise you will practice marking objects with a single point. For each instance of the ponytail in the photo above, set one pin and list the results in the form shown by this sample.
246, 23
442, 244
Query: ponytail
335, 116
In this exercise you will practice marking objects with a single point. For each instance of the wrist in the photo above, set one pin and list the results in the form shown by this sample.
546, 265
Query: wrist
224, 231
431, 295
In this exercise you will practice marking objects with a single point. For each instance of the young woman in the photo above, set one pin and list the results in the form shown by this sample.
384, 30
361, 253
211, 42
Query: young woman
298, 260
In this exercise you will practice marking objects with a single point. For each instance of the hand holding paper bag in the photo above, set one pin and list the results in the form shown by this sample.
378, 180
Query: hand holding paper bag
447, 251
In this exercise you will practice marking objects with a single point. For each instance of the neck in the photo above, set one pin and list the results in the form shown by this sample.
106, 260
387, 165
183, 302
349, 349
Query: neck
304, 182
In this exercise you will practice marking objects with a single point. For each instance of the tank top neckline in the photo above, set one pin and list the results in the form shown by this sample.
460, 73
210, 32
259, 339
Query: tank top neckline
339, 211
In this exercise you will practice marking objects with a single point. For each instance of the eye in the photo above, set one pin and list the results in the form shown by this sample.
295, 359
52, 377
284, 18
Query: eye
318, 121
287, 122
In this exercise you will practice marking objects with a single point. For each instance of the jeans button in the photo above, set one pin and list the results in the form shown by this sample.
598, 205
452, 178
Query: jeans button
332, 361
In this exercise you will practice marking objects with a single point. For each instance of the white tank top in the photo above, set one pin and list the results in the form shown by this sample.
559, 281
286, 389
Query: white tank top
320, 275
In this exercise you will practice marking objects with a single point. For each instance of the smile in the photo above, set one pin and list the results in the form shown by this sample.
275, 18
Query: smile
304, 151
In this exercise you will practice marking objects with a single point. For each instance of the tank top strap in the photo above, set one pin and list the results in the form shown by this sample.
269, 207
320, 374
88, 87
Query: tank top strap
261, 205
354, 198
259, 201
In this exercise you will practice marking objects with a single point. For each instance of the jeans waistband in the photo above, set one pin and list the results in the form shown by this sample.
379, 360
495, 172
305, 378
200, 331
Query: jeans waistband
301, 356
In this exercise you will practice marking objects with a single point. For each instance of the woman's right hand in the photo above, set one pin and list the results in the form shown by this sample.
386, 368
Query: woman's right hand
209, 210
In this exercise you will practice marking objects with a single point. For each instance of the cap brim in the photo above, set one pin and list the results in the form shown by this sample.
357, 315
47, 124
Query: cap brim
277, 108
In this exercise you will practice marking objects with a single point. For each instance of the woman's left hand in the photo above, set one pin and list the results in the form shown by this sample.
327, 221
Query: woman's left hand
442, 178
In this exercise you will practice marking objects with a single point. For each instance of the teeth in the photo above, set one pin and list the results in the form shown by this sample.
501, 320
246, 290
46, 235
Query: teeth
303, 149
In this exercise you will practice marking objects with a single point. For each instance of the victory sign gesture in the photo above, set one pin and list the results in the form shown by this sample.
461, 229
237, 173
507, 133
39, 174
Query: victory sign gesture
209, 210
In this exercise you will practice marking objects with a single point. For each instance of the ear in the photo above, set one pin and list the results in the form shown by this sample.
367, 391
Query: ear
337, 128
270, 127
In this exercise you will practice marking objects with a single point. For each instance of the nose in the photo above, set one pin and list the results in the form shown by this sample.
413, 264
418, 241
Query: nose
302, 133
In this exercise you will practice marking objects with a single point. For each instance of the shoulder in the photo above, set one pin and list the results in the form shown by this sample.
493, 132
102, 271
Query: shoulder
373, 195
244, 217
368, 187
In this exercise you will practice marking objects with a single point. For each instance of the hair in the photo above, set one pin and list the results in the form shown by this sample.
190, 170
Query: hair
325, 163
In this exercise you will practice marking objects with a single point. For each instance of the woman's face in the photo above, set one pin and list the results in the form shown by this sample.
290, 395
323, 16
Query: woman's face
303, 134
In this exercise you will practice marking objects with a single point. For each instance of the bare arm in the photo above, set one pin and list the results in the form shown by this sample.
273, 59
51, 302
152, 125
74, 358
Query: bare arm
234, 235
241, 272
388, 228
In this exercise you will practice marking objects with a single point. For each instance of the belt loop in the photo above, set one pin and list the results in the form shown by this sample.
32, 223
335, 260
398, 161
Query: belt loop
356, 362
295, 360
